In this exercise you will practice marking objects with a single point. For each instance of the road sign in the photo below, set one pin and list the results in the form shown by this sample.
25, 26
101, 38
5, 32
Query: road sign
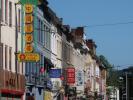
28, 57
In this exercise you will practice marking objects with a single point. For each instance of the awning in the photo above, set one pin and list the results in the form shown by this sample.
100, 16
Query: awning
48, 62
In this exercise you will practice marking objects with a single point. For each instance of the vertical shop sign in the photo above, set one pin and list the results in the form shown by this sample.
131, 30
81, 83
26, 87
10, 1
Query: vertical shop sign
28, 55
70, 75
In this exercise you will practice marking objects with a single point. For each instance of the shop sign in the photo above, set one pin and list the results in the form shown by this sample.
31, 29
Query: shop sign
47, 95
11, 82
79, 77
28, 48
28, 38
49, 84
55, 73
28, 18
34, 2
28, 57
28, 8
28, 28
70, 75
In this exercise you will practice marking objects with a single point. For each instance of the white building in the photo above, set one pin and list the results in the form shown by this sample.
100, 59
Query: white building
12, 71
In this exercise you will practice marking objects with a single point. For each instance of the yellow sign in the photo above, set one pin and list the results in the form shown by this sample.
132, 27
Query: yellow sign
28, 8
28, 28
28, 48
28, 57
28, 38
47, 95
28, 18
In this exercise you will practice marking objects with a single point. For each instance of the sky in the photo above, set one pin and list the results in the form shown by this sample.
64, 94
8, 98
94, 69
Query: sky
115, 41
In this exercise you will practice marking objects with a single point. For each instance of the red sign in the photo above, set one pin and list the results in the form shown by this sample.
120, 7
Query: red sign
70, 75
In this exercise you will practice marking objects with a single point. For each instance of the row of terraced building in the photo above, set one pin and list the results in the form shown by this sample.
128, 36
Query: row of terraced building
68, 66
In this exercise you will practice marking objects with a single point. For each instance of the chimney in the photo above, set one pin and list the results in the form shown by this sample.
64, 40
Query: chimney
91, 45
79, 31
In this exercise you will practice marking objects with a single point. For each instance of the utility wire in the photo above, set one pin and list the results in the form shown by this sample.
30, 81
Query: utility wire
109, 24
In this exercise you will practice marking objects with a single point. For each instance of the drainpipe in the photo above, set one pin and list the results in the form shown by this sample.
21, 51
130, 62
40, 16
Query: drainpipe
0, 20
16, 42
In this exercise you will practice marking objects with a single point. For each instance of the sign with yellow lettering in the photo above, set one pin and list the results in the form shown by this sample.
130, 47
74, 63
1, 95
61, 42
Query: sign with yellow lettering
28, 48
28, 8
28, 28
28, 18
28, 38
28, 57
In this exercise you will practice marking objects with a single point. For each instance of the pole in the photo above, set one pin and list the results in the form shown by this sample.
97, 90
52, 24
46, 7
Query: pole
0, 37
0, 19
126, 87
16, 42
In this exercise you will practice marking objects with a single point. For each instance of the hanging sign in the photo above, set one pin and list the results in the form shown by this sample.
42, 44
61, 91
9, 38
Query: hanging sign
28, 38
70, 75
28, 18
28, 57
28, 48
33, 2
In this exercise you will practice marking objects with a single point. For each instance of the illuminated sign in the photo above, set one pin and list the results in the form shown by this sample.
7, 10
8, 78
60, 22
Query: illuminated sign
28, 28
28, 38
34, 2
70, 75
28, 18
33, 57
28, 8
28, 48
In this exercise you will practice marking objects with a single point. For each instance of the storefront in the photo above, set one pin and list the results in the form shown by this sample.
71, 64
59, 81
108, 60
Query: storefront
12, 85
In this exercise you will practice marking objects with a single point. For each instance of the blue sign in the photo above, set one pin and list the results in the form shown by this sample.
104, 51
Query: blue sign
55, 73
49, 84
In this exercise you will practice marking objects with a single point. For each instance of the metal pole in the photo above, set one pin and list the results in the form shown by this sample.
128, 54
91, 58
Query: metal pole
16, 42
0, 39
126, 87
0, 19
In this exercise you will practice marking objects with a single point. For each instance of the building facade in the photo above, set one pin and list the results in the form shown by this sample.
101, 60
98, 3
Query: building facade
12, 80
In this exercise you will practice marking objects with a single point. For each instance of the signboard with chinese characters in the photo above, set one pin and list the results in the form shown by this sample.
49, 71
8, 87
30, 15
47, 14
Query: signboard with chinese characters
34, 2
70, 75
55, 73
28, 57
79, 77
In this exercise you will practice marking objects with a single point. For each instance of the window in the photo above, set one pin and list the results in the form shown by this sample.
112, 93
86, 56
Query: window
19, 15
1, 5
1, 56
10, 14
39, 31
10, 58
6, 57
6, 10
18, 67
